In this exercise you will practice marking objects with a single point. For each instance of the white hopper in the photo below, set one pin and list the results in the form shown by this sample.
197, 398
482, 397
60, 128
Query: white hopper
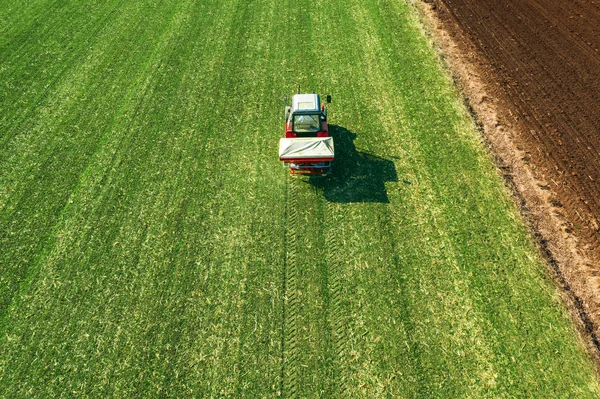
313, 149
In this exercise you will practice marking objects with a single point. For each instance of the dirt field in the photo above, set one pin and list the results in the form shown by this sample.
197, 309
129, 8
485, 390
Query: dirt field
538, 63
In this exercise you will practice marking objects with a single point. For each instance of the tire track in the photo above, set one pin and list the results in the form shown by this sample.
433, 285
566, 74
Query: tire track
289, 336
336, 316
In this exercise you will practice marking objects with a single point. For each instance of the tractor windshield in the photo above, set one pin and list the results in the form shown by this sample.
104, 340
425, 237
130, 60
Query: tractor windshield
306, 123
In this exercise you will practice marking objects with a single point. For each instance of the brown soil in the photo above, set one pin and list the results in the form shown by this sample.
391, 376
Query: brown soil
530, 71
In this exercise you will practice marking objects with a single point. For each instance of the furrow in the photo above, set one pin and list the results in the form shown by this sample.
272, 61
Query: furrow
290, 303
339, 338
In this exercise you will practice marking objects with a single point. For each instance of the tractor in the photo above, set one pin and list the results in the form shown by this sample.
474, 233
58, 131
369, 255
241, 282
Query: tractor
307, 148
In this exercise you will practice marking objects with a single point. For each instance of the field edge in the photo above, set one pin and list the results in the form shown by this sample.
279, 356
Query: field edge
560, 251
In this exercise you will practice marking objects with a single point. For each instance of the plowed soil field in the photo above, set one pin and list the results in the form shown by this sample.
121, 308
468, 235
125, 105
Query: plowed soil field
546, 54
540, 59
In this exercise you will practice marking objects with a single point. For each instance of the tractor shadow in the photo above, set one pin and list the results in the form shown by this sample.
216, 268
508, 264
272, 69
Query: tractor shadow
356, 176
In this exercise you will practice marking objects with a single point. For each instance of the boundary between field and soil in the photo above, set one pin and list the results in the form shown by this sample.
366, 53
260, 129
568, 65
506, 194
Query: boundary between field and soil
570, 267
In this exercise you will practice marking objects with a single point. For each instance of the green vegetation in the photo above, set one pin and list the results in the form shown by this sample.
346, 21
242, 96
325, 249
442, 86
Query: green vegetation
152, 245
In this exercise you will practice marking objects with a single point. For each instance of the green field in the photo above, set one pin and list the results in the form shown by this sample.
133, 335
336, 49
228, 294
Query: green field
153, 246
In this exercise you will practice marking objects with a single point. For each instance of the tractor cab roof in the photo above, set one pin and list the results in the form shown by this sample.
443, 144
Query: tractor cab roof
306, 102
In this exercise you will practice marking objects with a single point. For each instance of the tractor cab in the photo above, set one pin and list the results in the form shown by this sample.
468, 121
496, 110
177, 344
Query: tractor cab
306, 117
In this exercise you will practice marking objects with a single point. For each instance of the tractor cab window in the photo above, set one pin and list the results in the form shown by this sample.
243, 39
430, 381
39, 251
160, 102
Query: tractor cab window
306, 123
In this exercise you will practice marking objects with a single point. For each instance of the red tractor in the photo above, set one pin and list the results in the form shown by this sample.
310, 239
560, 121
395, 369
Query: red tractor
307, 148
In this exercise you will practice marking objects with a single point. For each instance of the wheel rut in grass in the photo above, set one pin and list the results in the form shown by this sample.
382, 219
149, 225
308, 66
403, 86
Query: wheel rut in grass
313, 286
289, 350
335, 282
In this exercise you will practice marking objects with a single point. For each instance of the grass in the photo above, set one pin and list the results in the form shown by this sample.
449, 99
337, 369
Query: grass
153, 246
